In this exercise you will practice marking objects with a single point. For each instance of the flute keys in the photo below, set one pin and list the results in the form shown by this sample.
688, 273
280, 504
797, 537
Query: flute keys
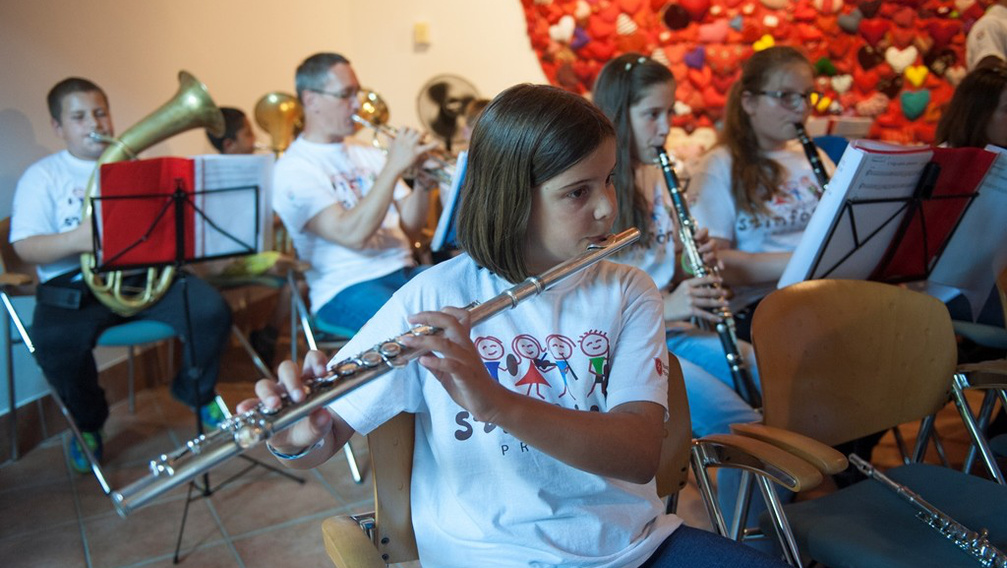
372, 359
347, 368
390, 349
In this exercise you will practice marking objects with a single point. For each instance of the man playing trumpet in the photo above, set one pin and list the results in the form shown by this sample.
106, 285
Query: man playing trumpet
350, 215
46, 230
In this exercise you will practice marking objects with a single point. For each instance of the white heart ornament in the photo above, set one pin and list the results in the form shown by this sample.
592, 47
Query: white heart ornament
562, 30
900, 59
842, 83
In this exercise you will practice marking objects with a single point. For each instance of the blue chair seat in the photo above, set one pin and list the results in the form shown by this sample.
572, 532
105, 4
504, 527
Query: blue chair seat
868, 525
135, 333
330, 330
991, 336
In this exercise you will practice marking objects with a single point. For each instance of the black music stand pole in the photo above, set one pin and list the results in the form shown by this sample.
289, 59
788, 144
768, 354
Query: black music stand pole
179, 201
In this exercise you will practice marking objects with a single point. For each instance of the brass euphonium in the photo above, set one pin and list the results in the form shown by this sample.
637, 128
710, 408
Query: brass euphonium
191, 107
282, 117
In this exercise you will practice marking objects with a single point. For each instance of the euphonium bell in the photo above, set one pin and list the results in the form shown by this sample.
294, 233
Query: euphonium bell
282, 117
191, 107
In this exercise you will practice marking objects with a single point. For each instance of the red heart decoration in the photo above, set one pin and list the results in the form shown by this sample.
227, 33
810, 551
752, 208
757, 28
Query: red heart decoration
725, 60
874, 30
870, 8
902, 37
865, 81
630, 6
696, 8
904, 17
598, 50
804, 13
943, 31
808, 33
609, 13
714, 98
839, 47
676, 52
723, 82
699, 78
680, 71
599, 29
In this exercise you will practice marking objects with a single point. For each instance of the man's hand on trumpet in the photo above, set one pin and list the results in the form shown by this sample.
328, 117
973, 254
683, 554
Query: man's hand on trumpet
407, 151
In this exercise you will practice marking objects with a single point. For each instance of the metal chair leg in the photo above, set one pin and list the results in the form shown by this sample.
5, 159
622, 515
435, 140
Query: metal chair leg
351, 459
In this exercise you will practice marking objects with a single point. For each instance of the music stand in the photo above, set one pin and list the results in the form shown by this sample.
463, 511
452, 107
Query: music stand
162, 215
890, 213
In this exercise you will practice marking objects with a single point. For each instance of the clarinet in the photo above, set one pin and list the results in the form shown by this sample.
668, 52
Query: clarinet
976, 544
811, 151
243, 431
743, 383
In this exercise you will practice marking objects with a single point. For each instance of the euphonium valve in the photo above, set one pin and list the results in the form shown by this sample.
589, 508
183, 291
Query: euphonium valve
191, 107
282, 117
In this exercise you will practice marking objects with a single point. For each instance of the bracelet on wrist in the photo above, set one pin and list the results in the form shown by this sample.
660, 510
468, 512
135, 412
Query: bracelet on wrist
298, 455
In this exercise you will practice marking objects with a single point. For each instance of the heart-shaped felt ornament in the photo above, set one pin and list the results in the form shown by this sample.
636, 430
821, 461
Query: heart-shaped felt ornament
675, 17
696, 8
715, 32
914, 103
943, 31
900, 59
890, 86
696, 58
869, 58
850, 23
874, 29
916, 74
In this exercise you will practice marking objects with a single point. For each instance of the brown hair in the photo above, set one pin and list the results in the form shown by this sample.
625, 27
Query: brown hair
66, 87
620, 85
963, 122
527, 135
754, 177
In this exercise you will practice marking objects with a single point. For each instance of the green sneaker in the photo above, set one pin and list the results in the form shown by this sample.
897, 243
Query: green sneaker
211, 415
78, 459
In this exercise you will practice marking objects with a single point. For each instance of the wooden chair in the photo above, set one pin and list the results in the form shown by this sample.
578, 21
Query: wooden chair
386, 535
841, 359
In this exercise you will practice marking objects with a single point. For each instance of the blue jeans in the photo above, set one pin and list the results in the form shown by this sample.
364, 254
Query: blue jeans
353, 306
694, 548
714, 405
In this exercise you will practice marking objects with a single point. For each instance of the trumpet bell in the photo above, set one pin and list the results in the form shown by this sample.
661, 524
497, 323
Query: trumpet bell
282, 117
373, 109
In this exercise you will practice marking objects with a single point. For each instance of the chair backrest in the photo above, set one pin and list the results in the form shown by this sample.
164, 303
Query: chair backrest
391, 450
11, 264
841, 359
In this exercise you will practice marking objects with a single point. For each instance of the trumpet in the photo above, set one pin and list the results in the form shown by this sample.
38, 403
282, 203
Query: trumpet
243, 431
811, 151
726, 330
373, 114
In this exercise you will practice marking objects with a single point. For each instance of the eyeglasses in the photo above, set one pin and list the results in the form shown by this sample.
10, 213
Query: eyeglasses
791, 99
343, 95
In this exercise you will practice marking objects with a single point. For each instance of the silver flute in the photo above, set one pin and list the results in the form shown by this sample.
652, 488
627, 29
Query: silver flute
975, 544
743, 383
248, 429
811, 151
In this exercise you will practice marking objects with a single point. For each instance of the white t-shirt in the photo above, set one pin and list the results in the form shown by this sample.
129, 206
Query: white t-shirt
988, 36
49, 199
779, 231
309, 178
658, 259
480, 496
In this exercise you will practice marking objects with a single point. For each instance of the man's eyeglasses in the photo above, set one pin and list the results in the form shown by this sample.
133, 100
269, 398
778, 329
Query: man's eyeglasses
342, 95
792, 99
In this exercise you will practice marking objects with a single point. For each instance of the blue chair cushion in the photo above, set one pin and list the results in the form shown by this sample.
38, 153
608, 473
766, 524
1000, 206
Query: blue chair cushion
999, 445
868, 525
833, 146
135, 333
333, 330
991, 336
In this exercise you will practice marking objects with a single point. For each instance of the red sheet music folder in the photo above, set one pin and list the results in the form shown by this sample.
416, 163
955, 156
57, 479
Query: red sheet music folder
138, 212
926, 231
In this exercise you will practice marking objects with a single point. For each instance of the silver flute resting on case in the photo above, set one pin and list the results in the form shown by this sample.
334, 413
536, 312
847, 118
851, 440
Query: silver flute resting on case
248, 429
743, 383
976, 544
811, 151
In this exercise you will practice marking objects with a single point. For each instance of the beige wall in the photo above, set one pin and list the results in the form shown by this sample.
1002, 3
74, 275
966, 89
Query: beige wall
241, 49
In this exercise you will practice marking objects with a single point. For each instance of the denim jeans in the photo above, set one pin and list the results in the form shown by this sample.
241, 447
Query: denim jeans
694, 548
353, 306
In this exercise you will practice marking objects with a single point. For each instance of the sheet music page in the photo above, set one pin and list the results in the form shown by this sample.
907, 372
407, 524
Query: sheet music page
977, 252
233, 212
449, 203
843, 241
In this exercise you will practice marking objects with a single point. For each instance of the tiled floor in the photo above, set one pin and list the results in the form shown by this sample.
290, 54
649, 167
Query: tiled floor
50, 516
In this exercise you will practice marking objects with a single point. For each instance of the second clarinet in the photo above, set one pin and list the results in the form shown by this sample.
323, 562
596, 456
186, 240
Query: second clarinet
811, 151
743, 383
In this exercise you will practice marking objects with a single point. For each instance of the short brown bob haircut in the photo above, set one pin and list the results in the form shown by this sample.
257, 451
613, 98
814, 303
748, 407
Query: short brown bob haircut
527, 135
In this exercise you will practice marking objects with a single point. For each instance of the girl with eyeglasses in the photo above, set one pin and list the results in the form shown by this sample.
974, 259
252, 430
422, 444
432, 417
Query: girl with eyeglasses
755, 190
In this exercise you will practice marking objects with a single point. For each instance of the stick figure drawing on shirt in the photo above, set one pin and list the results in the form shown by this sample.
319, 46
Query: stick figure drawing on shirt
594, 344
561, 347
491, 350
528, 347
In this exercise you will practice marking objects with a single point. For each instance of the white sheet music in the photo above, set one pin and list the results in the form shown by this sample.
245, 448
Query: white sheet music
977, 252
233, 212
868, 170
449, 203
